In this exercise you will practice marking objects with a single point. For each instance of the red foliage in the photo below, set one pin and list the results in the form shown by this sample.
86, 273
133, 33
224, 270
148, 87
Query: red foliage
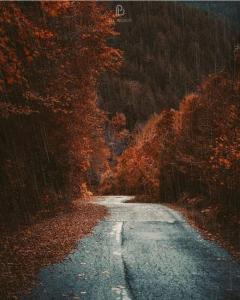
194, 149
52, 131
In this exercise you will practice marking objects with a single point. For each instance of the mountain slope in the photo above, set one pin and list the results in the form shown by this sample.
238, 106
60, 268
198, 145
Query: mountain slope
226, 9
169, 48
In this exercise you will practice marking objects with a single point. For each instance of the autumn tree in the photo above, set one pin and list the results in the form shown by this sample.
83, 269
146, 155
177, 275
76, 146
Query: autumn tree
52, 142
194, 149
147, 165
208, 136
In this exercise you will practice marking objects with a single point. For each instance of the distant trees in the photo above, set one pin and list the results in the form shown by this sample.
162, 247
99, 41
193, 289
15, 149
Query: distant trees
138, 168
194, 149
52, 143
117, 138
169, 48
53, 133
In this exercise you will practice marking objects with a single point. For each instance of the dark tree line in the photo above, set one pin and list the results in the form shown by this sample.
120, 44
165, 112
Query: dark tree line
193, 150
169, 49
51, 128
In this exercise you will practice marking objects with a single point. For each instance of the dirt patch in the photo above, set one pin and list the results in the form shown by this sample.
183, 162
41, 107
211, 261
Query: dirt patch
24, 252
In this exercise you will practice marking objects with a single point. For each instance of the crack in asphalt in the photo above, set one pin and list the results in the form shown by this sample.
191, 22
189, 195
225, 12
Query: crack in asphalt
142, 252
127, 280
124, 290
125, 269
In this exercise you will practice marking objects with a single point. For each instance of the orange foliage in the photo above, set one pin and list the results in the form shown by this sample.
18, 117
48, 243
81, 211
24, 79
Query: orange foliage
52, 55
209, 136
138, 169
17, 31
55, 8
194, 149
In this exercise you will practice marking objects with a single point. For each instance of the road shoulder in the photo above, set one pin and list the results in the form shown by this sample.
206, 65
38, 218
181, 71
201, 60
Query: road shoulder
227, 237
225, 230
24, 252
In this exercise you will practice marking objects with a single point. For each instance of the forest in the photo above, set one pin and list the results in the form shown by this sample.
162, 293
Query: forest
169, 49
182, 109
90, 105
52, 130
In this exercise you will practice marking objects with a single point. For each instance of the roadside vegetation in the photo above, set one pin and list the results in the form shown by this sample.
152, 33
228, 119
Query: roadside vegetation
182, 109
192, 154
52, 144
90, 105
46, 241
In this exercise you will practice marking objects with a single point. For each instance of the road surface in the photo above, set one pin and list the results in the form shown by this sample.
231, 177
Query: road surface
142, 251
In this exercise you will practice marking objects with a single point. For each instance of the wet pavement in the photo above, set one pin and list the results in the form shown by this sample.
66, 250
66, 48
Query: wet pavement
141, 251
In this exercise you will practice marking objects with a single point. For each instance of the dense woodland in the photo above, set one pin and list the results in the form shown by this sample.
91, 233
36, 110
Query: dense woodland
52, 141
92, 104
169, 48
193, 150
149, 106
182, 75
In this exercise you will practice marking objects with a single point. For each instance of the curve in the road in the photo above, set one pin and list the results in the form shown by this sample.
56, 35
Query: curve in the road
145, 252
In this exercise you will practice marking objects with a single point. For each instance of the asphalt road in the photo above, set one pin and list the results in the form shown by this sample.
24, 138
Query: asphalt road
142, 251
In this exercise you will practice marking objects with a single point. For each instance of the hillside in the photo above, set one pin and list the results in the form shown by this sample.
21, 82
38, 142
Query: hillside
169, 49
226, 9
